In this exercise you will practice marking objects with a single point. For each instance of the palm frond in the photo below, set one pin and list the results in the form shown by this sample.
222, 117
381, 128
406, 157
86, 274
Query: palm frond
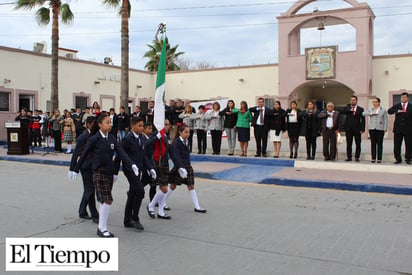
42, 16
66, 13
112, 3
28, 4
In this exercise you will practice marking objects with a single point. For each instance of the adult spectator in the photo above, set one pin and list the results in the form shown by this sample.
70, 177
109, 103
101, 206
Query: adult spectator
122, 122
260, 123
330, 125
354, 127
229, 124
244, 118
402, 128
215, 127
294, 124
276, 126
310, 128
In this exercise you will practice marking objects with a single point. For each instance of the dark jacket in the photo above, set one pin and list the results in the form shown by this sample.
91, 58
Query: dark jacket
310, 123
81, 142
403, 121
134, 148
180, 153
230, 118
102, 154
354, 122
122, 121
277, 120
266, 116
336, 120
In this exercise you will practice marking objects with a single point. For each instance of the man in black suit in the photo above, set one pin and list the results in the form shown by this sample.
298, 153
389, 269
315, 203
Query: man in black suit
354, 127
402, 128
261, 123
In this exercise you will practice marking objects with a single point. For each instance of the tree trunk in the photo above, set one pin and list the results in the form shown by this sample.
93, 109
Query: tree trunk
124, 84
54, 98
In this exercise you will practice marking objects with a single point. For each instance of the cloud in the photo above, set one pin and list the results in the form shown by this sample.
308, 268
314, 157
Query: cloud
235, 33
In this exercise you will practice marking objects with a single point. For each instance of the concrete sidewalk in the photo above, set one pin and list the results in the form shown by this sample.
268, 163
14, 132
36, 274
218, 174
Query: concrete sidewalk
364, 176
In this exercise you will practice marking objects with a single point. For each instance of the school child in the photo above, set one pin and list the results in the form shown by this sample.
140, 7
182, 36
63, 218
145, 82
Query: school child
87, 174
132, 144
201, 129
36, 118
148, 151
103, 146
160, 148
69, 131
182, 172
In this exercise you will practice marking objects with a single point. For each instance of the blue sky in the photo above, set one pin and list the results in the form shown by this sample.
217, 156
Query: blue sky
222, 33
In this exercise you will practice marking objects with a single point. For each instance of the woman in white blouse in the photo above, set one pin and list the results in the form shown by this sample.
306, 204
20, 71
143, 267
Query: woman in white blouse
215, 127
378, 125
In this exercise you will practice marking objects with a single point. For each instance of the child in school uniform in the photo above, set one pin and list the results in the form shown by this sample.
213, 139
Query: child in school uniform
132, 144
103, 146
160, 148
182, 172
148, 151
87, 174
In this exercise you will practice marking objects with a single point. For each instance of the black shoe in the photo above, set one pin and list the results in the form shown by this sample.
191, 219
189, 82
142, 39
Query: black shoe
199, 153
398, 161
326, 159
85, 216
165, 217
166, 208
104, 234
291, 156
137, 225
257, 155
264, 155
95, 219
409, 161
150, 213
348, 159
307, 158
295, 156
200, 210
128, 224
357, 160
312, 158
217, 153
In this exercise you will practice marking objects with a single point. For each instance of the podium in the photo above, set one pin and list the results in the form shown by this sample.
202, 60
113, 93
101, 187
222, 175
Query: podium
17, 139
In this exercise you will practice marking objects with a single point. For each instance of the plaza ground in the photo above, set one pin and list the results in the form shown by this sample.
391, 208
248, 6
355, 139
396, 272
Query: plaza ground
249, 228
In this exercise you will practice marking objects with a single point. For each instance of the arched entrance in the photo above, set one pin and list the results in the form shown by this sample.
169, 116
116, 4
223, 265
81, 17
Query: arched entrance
322, 91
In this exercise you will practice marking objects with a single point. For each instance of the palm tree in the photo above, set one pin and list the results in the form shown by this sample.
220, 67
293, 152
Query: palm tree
125, 15
43, 18
154, 56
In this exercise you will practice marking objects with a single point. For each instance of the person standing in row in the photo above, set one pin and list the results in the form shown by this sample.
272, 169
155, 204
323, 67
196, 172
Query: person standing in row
354, 127
122, 122
277, 125
294, 122
188, 119
57, 134
215, 127
402, 128
77, 117
330, 125
87, 174
69, 129
102, 145
378, 125
35, 119
310, 128
260, 123
244, 118
229, 124
201, 130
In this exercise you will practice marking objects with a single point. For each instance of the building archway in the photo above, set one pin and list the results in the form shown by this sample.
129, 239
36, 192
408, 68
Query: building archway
322, 91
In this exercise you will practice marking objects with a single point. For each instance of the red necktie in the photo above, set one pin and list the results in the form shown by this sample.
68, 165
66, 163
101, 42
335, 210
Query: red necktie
404, 107
353, 110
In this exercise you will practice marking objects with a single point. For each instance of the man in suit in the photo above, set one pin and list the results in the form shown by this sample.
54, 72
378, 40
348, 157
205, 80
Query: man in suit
137, 112
330, 124
402, 128
149, 113
354, 127
261, 123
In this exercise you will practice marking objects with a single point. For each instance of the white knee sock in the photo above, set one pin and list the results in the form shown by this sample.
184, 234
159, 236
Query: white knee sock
161, 200
154, 200
103, 216
69, 147
169, 191
194, 199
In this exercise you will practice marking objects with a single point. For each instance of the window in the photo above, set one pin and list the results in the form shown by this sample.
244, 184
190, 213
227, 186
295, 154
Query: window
4, 102
144, 105
397, 99
269, 102
81, 101
48, 106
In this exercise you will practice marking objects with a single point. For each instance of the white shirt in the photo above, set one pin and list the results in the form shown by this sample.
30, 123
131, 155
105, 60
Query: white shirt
294, 118
329, 120
263, 116
103, 135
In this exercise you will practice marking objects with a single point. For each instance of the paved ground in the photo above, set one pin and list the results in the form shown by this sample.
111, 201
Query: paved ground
249, 228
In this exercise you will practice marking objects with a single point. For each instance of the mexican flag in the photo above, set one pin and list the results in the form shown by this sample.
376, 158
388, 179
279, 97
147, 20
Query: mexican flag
159, 108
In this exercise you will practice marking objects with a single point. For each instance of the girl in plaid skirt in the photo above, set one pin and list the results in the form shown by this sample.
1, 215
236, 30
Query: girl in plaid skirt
182, 172
102, 146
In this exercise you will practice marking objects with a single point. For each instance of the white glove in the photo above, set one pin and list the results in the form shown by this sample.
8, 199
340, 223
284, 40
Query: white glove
73, 175
159, 135
115, 177
135, 170
153, 174
182, 172
70, 175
